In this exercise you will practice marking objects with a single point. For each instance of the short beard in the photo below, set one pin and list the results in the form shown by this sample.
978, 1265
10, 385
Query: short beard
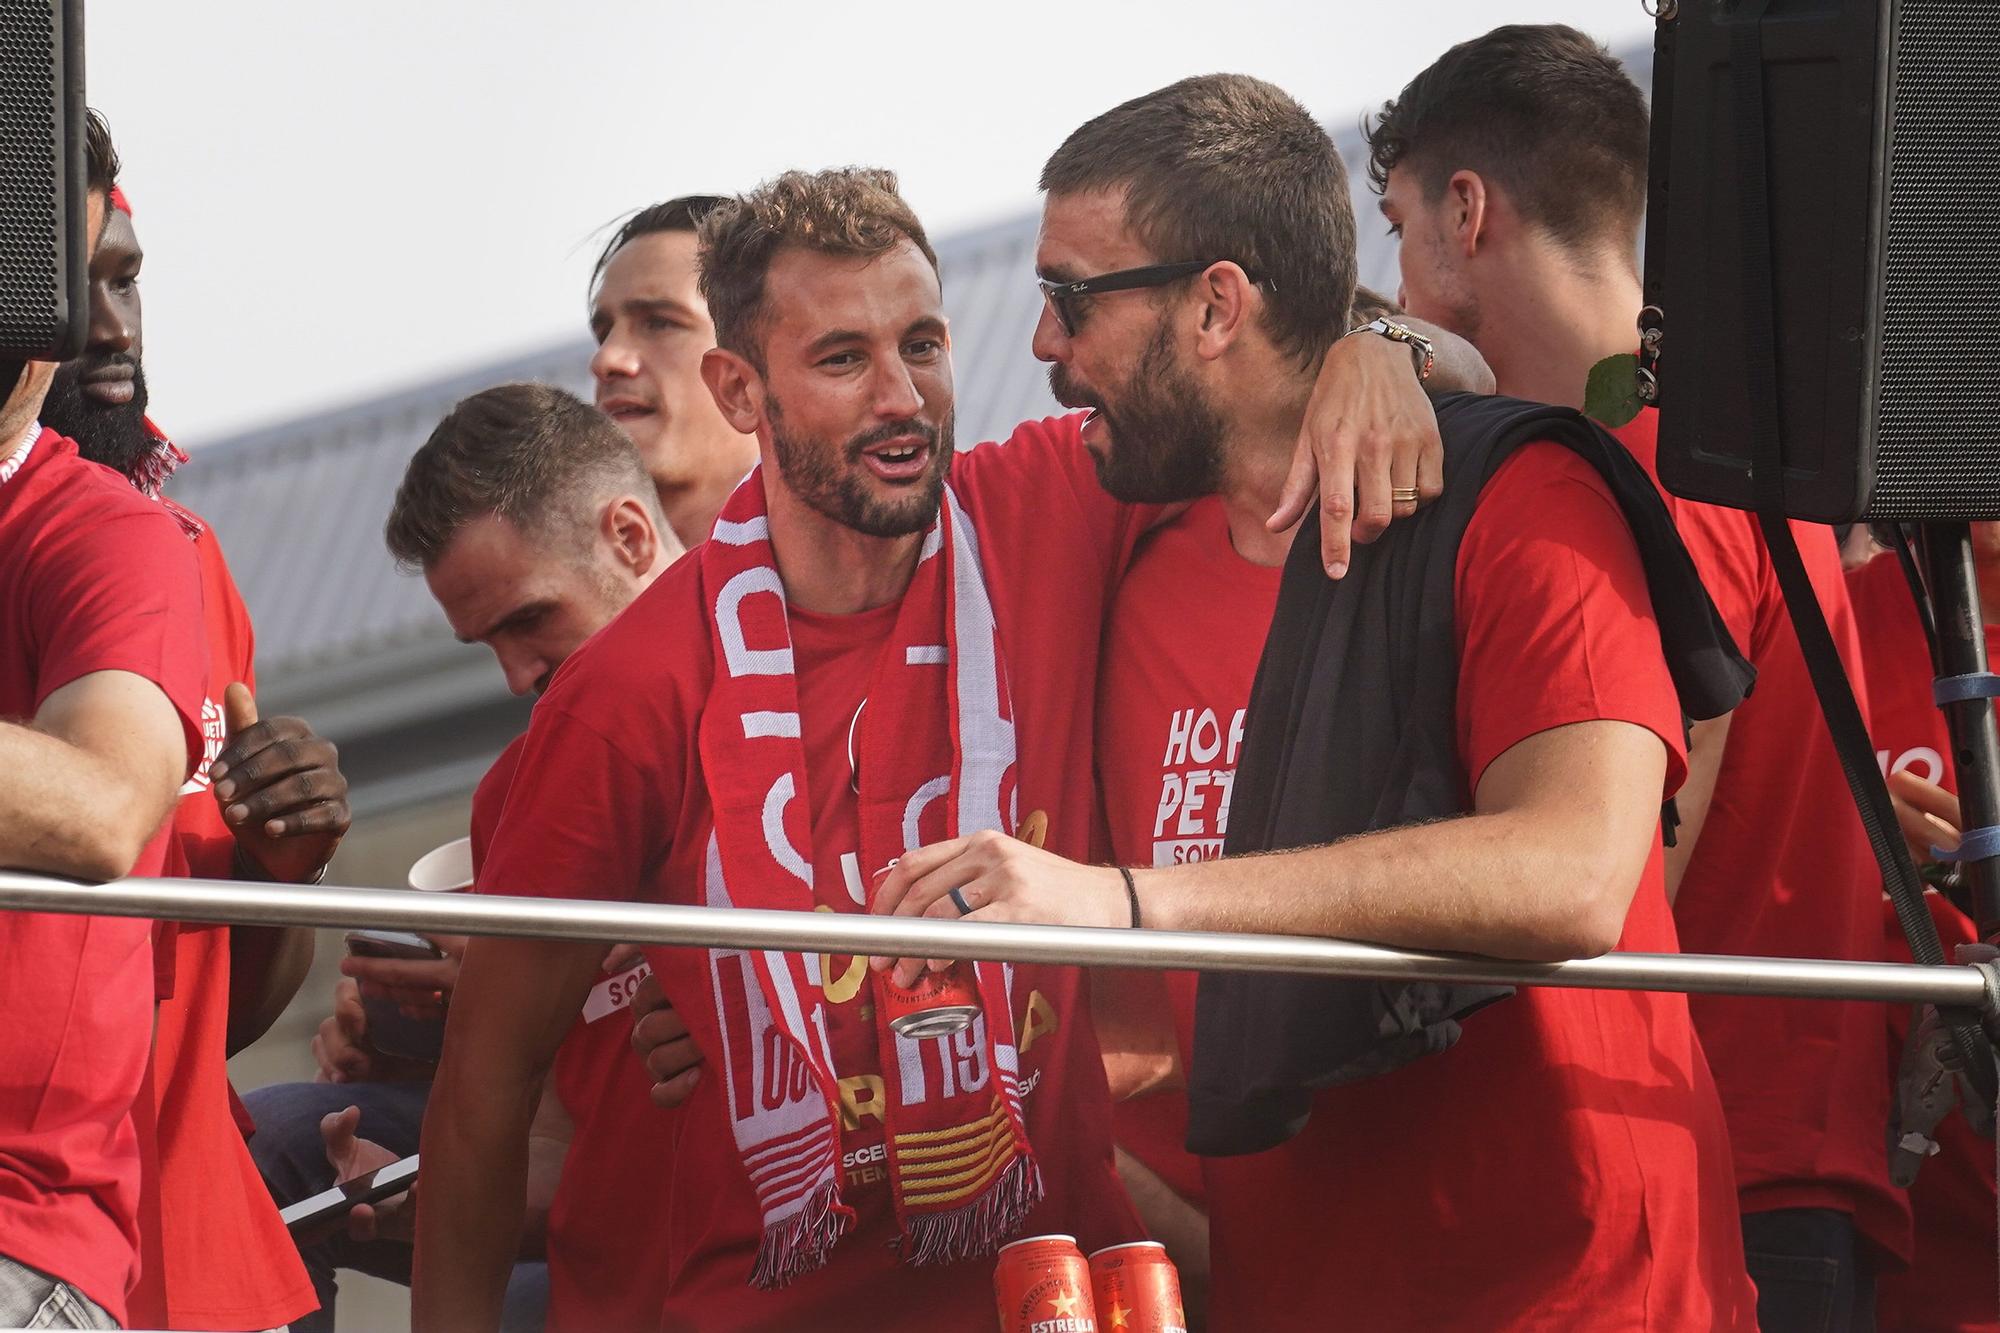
828, 477
116, 436
1165, 436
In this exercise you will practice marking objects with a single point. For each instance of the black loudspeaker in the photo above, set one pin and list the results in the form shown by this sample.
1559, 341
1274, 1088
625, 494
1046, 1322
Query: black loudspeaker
44, 252
1883, 152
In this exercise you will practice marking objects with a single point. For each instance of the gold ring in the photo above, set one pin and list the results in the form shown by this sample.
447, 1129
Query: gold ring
1403, 494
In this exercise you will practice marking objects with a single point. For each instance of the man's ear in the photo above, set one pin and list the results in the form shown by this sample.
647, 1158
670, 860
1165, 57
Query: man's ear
1466, 211
736, 386
633, 537
1228, 301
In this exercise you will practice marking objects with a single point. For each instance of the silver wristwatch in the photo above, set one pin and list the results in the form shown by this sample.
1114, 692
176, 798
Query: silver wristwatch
1420, 347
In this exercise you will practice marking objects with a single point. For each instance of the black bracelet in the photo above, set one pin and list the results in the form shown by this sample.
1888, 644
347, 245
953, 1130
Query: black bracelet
1131, 895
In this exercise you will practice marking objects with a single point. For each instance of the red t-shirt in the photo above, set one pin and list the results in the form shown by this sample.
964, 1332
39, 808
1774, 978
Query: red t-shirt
1783, 867
1948, 1285
93, 577
1187, 626
602, 1244
227, 1260
1565, 1165
613, 737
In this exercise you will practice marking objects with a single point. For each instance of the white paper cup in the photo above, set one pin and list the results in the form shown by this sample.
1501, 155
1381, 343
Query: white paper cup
444, 869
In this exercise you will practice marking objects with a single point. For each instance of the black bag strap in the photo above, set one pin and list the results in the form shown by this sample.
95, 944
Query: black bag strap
1836, 694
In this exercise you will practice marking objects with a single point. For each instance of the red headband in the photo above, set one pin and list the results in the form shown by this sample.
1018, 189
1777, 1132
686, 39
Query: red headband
120, 202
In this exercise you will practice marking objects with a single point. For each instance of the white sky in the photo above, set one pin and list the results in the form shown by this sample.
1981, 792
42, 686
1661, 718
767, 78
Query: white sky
342, 199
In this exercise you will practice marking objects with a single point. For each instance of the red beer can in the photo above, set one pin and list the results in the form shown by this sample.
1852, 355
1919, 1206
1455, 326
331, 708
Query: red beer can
1043, 1286
1137, 1289
939, 1004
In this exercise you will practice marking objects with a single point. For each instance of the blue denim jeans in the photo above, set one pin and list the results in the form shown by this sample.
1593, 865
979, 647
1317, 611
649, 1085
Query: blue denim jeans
291, 1157
1811, 1275
30, 1298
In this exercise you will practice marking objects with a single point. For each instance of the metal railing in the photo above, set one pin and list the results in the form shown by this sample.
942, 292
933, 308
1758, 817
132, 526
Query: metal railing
1974, 987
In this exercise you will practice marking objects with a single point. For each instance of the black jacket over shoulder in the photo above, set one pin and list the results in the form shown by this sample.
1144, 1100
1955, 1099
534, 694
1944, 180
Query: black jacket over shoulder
1352, 728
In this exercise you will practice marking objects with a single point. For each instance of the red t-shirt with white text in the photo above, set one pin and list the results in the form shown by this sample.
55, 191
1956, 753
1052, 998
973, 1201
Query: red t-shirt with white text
613, 737
229, 1263
1783, 867
93, 577
1187, 626
1947, 1285
1565, 1165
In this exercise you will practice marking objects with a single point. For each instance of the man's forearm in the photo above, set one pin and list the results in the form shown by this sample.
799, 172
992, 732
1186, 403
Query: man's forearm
1484, 884
471, 1194
64, 811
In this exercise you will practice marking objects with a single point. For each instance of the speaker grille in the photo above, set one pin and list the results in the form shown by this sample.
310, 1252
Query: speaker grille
32, 298
1938, 451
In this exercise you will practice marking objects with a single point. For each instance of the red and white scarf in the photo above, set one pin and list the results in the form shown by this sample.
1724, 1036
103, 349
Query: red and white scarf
938, 726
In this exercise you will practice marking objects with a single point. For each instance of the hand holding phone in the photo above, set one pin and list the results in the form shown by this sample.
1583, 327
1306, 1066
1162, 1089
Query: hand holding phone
372, 1190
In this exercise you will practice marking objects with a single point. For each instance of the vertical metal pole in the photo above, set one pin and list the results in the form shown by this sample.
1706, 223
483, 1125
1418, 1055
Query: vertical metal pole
1953, 579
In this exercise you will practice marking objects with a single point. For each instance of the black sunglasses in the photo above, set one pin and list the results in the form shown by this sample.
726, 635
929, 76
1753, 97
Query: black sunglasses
1065, 298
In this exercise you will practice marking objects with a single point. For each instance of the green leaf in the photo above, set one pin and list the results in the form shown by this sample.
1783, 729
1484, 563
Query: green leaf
1611, 398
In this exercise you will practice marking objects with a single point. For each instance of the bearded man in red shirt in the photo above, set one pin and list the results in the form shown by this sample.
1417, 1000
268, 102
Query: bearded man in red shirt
102, 669
224, 1260
841, 611
1564, 1165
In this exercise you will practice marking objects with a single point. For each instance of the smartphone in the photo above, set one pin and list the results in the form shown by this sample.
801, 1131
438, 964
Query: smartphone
392, 944
308, 1216
390, 1030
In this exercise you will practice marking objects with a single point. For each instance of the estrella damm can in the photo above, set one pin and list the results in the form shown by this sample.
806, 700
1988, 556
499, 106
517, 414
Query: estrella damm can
1043, 1286
939, 1004
1137, 1289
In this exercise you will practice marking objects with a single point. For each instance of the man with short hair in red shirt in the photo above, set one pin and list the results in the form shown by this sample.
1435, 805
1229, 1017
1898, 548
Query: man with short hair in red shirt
651, 327
1564, 1165
535, 524
102, 670
1515, 168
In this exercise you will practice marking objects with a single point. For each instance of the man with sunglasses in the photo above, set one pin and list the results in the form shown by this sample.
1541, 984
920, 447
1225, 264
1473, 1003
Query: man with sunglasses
1567, 1160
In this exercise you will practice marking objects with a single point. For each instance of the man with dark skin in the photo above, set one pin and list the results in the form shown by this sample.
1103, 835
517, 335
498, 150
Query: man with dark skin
100, 400
269, 804
102, 666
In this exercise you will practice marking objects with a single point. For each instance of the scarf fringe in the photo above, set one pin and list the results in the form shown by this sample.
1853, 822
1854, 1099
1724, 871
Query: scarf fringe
799, 1244
977, 1229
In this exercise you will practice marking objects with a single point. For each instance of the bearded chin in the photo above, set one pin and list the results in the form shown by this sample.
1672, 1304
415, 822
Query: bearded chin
1165, 436
830, 480
115, 435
